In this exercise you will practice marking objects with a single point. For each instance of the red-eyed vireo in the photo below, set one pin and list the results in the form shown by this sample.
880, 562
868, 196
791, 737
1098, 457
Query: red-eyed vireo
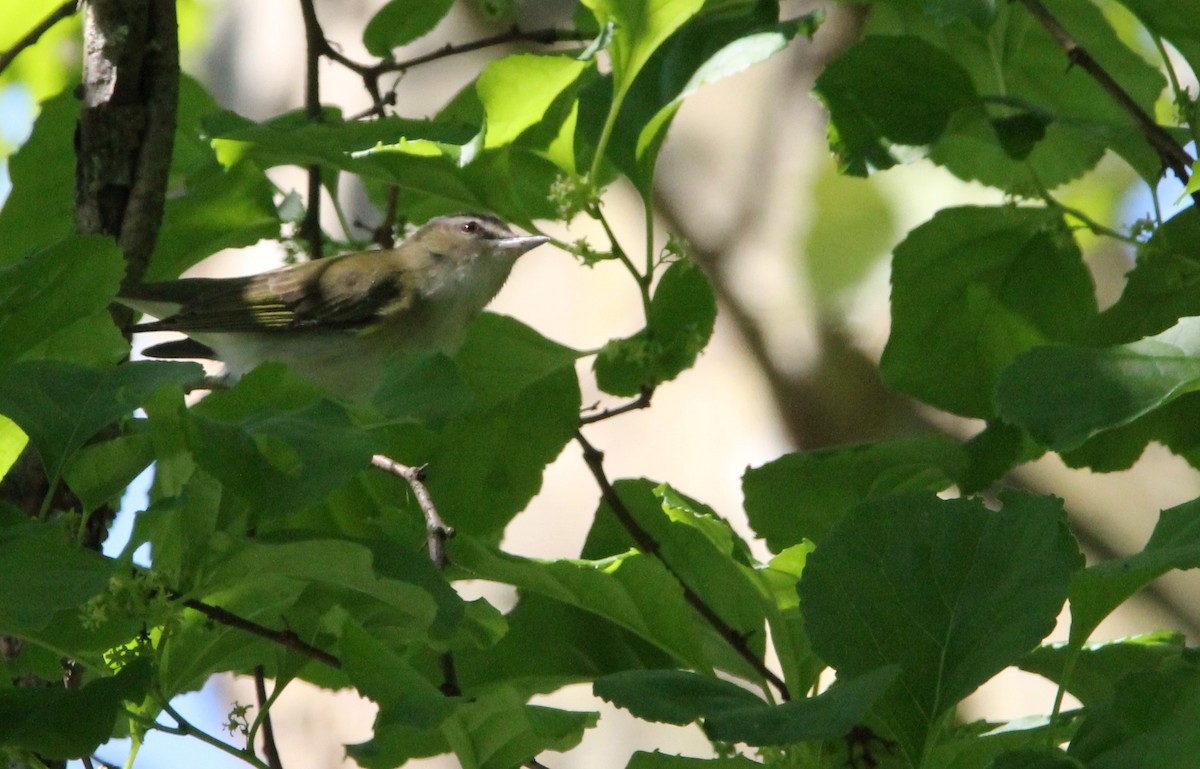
336, 321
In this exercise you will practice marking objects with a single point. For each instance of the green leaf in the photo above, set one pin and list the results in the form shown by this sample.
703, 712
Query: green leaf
228, 209
733, 714
399, 22
632, 591
802, 496
972, 289
703, 553
92, 341
99, 473
1034, 758
640, 27
682, 314
273, 441
583, 647
488, 461
888, 91
1065, 395
36, 560
948, 590
1174, 544
426, 387
55, 287
992, 452
1163, 286
494, 731
656, 760
61, 405
1018, 68
1150, 723
498, 731
1178, 23
12, 442
419, 156
1097, 669
715, 44
405, 698
43, 179
200, 647
518, 91
677, 697
338, 563
59, 724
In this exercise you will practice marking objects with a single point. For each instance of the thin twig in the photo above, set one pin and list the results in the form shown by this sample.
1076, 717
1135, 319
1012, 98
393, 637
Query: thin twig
641, 402
314, 45
436, 534
285, 638
1172, 155
594, 459
260, 690
64, 11
436, 530
514, 35
185, 727
370, 73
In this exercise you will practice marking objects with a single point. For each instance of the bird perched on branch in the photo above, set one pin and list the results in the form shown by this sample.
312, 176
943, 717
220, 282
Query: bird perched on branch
335, 321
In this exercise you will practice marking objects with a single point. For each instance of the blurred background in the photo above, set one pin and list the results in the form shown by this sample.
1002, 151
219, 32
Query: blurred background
799, 259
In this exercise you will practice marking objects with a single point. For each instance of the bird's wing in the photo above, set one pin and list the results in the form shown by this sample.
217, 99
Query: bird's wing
330, 293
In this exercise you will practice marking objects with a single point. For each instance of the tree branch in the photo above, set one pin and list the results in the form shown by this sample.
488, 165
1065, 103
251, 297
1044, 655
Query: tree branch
270, 750
64, 11
285, 638
1170, 152
594, 459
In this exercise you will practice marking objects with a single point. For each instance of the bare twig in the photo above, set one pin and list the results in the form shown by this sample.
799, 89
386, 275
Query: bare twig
436, 530
1170, 152
260, 691
370, 73
594, 459
513, 35
64, 11
285, 638
436, 534
314, 45
640, 402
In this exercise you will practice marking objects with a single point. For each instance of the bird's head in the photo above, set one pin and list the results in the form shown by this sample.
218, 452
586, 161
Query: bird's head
460, 239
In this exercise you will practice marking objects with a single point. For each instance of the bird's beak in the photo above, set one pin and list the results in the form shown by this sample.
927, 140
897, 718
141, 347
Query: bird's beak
521, 243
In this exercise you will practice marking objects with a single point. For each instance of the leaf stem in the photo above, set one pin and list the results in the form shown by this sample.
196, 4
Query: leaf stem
643, 281
1056, 712
1183, 100
1094, 226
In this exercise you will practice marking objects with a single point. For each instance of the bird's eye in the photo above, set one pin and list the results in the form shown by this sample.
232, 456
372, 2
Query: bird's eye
470, 227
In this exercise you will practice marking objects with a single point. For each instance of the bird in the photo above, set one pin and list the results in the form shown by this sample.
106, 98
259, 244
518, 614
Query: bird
336, 321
